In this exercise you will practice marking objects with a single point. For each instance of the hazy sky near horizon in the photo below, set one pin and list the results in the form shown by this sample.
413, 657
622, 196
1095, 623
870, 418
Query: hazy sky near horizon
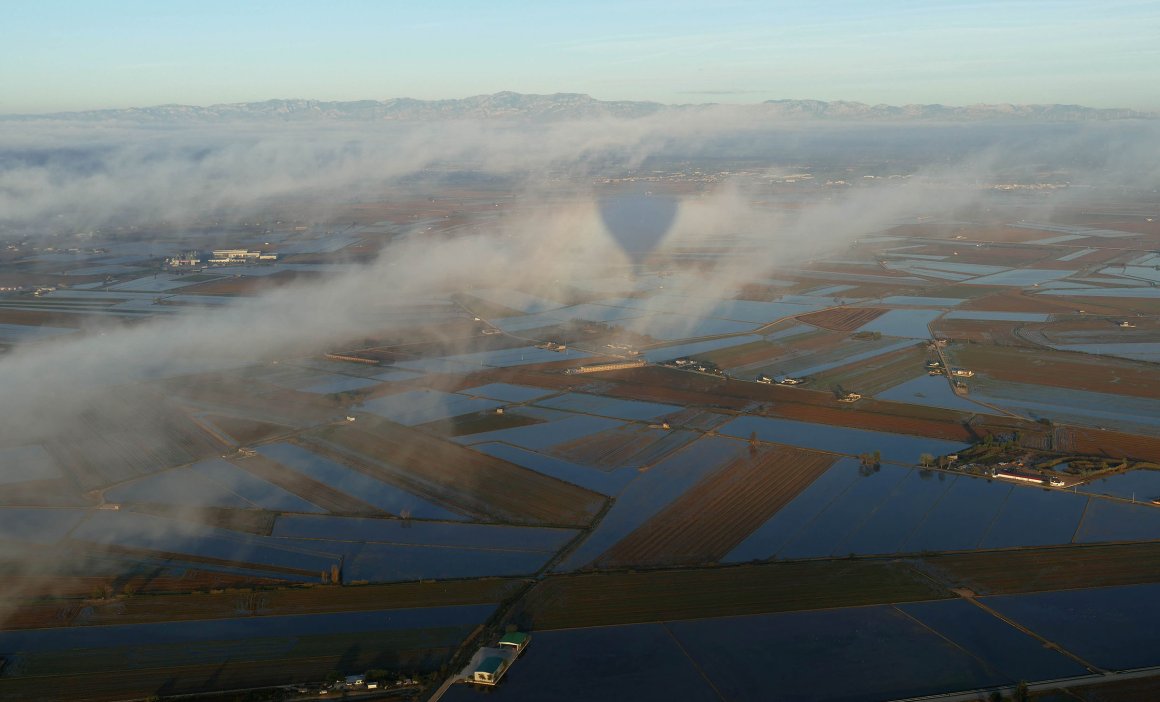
90, 54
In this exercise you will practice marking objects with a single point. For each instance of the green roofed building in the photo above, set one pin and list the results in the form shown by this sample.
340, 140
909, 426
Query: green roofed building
515, 640
490, 670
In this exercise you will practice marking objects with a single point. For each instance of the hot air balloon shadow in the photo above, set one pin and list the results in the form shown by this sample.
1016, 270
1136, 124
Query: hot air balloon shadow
638, 220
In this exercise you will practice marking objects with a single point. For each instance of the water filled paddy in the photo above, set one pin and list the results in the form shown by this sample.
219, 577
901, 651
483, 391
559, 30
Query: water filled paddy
1117, 521
1141, 351
423, 533
181, 486
377, 493
642, 663
897, 510
651, 492
1113, 627
506, 392
422, 406
516, 299
1142, 485
1139, 292
23, 463
385, 563
670, 327
911, 324
37, 525
543, 436
918, 301
1080, 406
855, 654
197, 632
668, 353
630, 410
899, 448
1000, 646
1022, 277
929, 391
261, 493
604, 482
998, 316
142, 531
844, 354
16, 333
503, 358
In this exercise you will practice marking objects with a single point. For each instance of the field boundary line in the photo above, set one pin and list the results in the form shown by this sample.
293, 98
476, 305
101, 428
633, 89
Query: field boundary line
946, 638
1079, 525
1030, 632
991, 524
919, 524
696, 665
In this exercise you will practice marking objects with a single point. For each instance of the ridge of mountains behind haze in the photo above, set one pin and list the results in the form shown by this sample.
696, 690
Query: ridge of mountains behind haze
567, 106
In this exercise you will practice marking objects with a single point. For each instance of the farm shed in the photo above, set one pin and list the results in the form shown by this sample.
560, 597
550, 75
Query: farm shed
516, 640
490, 670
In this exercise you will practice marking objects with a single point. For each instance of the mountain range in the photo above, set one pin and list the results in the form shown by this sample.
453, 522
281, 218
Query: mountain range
574, 106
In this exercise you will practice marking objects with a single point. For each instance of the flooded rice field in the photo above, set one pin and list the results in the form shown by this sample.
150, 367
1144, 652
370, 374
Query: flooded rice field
911, 324
423, 533
629, 410
603, 481
896, 448
1078, 406
929, 391
651, 492
25, 463
850, 510
421, 406
857, 653
1113, 627
506, 392
361, 486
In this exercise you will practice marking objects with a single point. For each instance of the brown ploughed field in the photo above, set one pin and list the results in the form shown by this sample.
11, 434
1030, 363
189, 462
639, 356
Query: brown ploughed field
1113, 444
601, 599
269, 601
716, 514
1044, 569
1062, 369
974, 331
875, 375
462, 479
320, 494
843, 318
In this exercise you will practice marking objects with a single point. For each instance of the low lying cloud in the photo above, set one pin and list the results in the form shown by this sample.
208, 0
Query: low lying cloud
62, 177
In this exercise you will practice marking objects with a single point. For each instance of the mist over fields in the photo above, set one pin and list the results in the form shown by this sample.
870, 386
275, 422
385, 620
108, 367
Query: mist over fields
59, 177
62, 177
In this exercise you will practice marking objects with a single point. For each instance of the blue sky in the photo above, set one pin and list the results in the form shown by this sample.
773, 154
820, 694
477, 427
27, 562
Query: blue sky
84, 54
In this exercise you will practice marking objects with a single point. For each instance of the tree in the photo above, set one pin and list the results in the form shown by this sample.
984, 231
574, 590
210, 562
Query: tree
1022, 692
925, 460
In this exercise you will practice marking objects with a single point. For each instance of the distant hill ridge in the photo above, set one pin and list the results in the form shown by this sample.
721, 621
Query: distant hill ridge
566, 106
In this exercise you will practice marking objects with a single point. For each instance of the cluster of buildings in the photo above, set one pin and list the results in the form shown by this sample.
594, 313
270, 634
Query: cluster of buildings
219, 257
490, 664
693, 364
601, 367
784, 380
